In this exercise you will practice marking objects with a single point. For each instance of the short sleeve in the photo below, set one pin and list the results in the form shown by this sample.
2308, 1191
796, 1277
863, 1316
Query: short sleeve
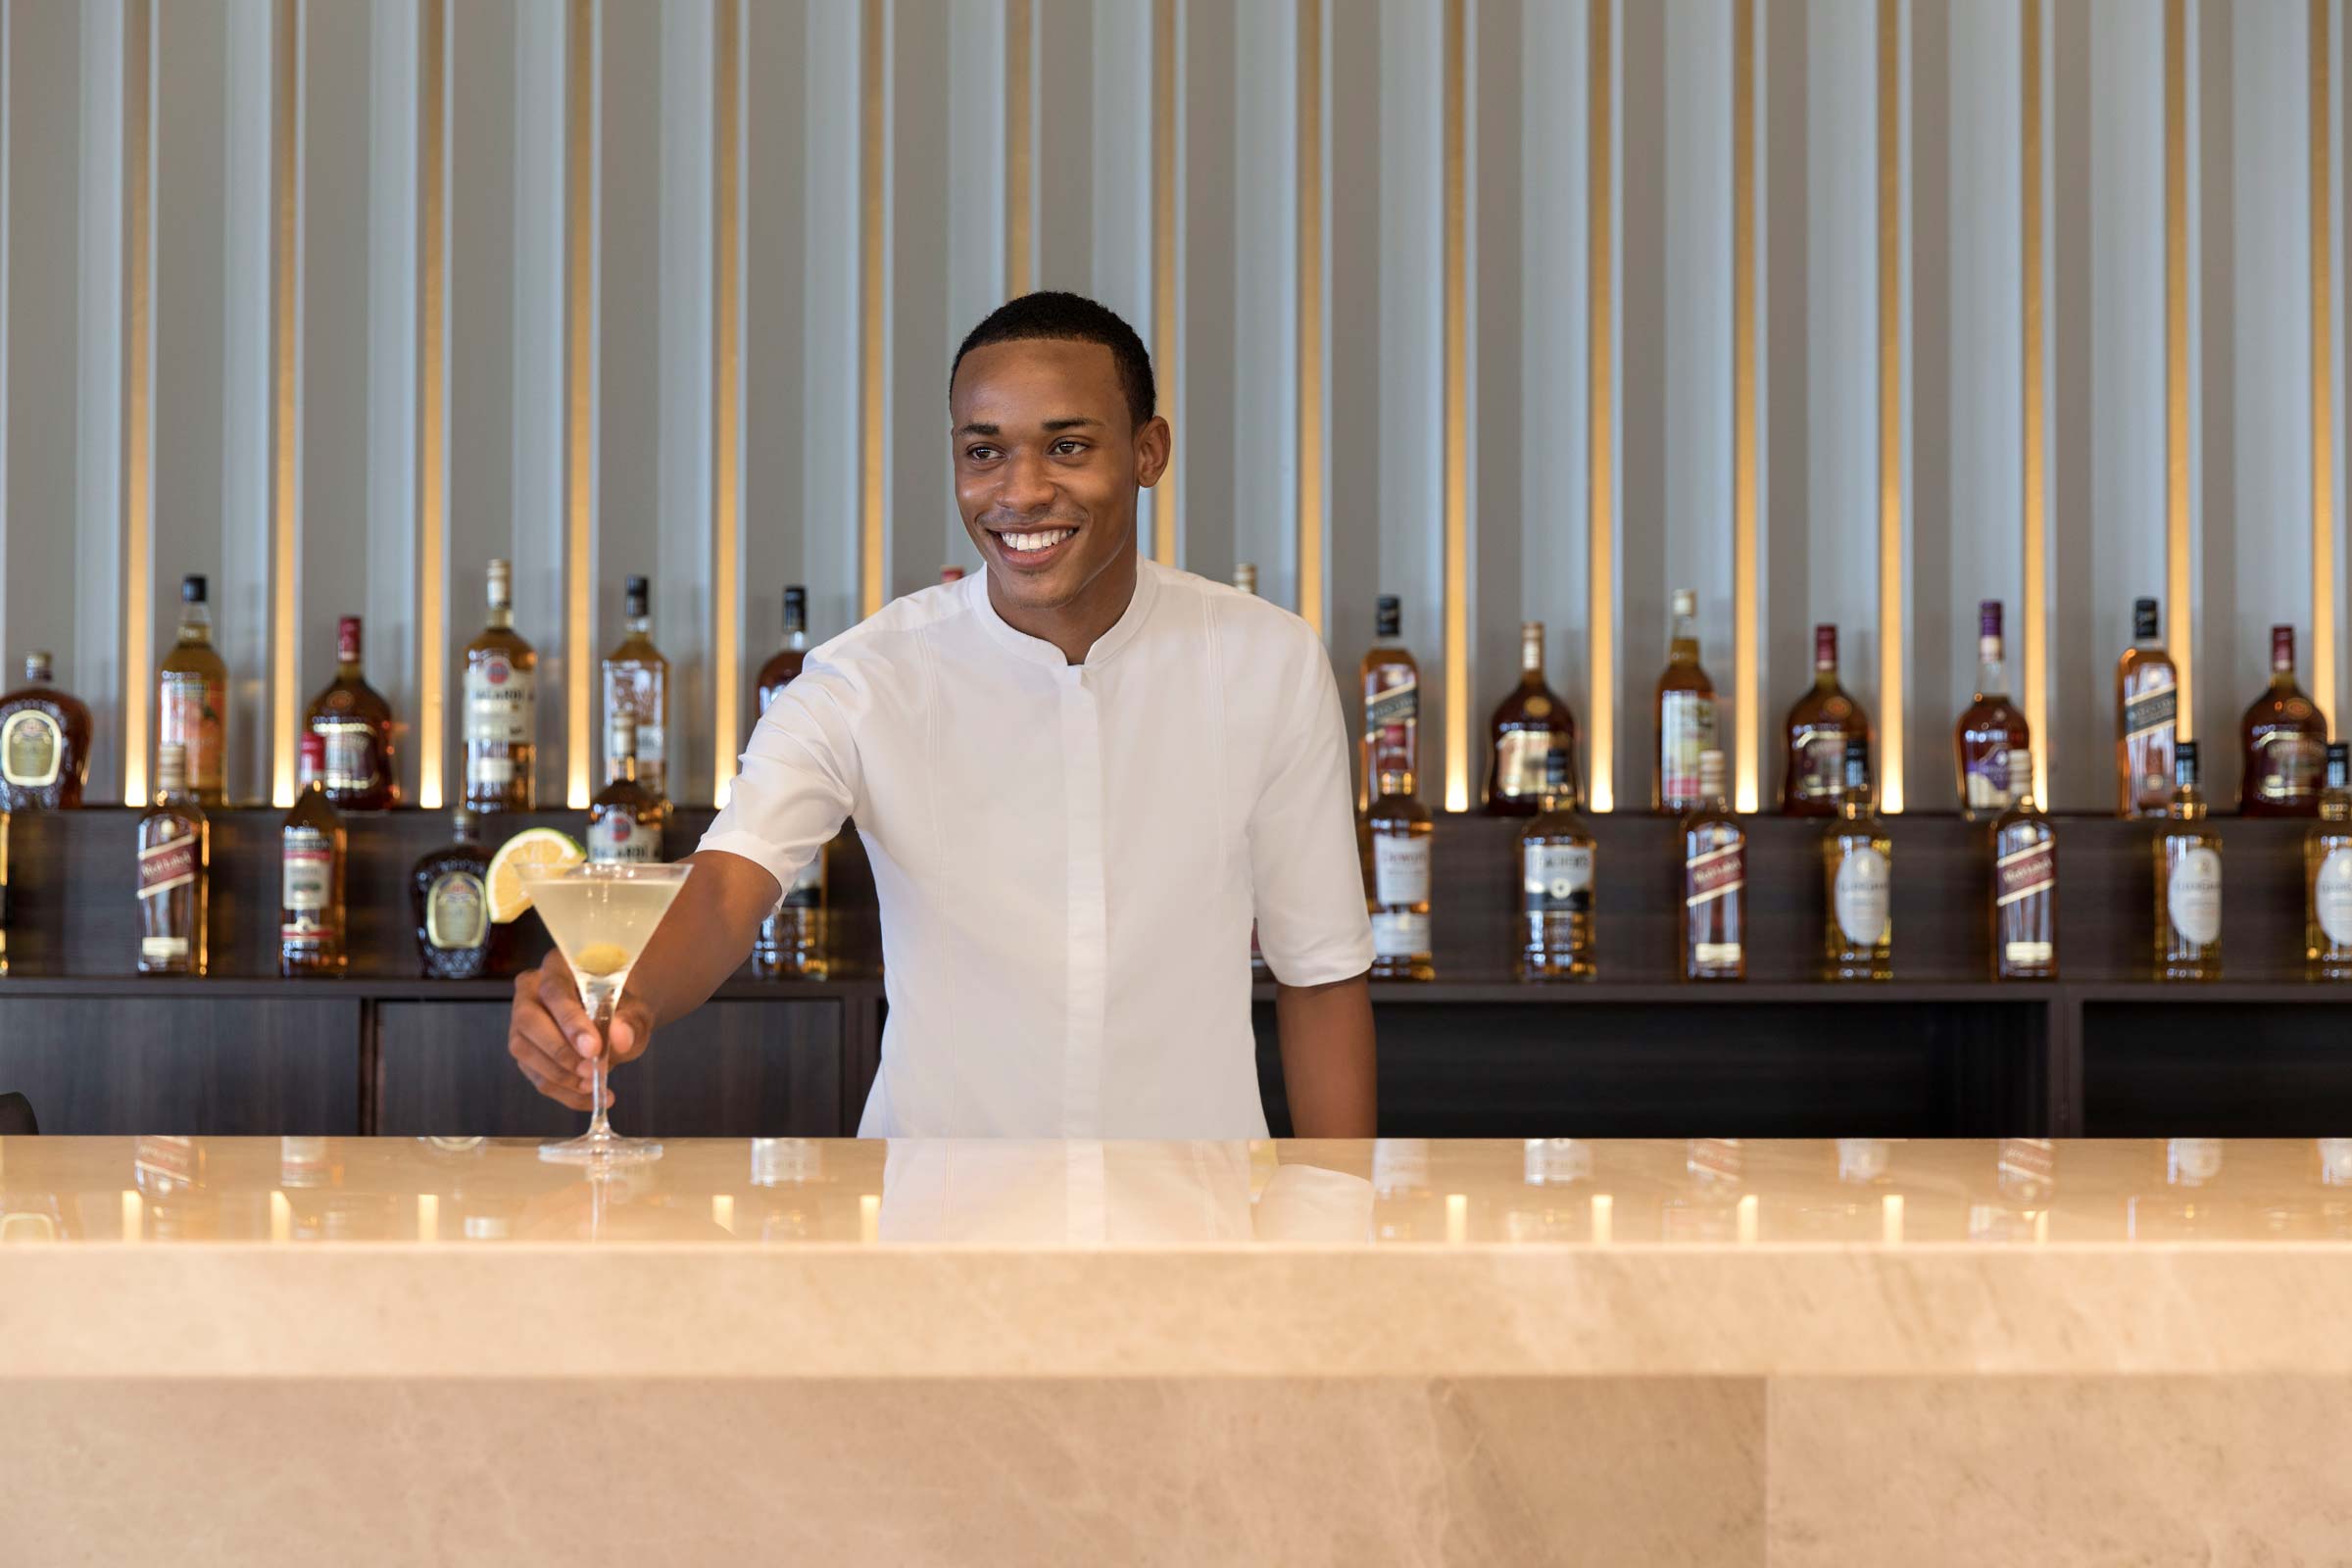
1307, 886
798, 779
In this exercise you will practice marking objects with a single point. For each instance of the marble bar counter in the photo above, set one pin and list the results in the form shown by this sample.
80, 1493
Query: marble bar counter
1553, 1351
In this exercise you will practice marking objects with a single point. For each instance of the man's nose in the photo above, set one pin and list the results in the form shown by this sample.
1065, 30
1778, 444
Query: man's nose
1025, 485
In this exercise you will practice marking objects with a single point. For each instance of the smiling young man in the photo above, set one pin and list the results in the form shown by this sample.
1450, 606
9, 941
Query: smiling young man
1078, 776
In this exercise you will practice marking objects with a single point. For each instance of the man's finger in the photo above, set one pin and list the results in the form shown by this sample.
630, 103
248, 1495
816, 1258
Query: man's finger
536, 1046
558, 1090
561, 1000
631, 1029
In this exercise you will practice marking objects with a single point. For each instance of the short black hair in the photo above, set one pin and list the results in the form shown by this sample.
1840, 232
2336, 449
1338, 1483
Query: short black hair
1075, 319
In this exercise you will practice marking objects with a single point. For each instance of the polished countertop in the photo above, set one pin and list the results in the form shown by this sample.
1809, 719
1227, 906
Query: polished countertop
801, 1258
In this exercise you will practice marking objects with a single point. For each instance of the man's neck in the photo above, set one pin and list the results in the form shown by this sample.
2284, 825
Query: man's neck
1075, 626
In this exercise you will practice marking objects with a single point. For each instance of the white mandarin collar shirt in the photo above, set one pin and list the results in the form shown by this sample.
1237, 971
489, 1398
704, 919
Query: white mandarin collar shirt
1068, 856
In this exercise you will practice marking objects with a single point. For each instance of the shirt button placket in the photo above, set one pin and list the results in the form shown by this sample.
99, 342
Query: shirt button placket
1089, 907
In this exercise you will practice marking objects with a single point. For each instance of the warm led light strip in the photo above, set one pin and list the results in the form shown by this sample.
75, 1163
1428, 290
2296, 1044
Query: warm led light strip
1891, 409
286, 386
580, 392
1164, 347
726, 399
872, 305
1458, 408
1747, 640
1309, 156
2182, 625
2325, 607
1019, 148
138, 371
2035, 612
1600, 438
433, 400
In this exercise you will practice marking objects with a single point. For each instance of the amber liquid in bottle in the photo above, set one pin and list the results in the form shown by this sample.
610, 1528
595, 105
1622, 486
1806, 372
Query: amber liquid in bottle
626, 819
1815, 736
1391, 682
637, 683
191, 690
2025, 883
1527, 729
1682, 715
2146, 705
1991, 731
786, 661
44, 742
2285, 741
2327, 875
313, 849
355, 724
502, 709
449, 897
1714, 921
791, 940
2188, 880
176, 856
1556, 876
1857, 861
1396, 848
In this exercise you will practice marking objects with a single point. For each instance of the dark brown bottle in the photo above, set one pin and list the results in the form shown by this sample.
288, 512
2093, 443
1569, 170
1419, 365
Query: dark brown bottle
2025, 883
448, 895
176, 858
2285, 741
1394, 843
1391, 681
626, 819
44, 744
1991, 731
1714, 919
1555, 875
786, 661
313, 845
353, 724
1814, 739
2147, 702
1527, 729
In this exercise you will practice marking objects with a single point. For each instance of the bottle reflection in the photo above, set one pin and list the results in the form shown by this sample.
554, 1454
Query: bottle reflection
1554, 1203
2024, 1178
2184, 1202
1710, 1205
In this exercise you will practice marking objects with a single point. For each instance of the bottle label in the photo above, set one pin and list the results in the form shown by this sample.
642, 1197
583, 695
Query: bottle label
192, 705
1818, 767
499, 703
308, 883
1400, 936
2022, 874
350, 756
32, 750
1686, 728
2031, 1163
1558, 878
1986, 779
163, 950
621, 834
2287, 766
457, 916
168, 864
1714, 873
1716, 954
2193, 896
1863, 898
2152, 713
638, 690
1521, 759
808, 890
2028, 955
1392, 696
2332, 898
1400, 869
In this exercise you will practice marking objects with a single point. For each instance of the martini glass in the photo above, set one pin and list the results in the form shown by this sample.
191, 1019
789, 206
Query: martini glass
602, 917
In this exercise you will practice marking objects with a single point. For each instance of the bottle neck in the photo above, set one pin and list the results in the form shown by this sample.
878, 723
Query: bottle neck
195, 623
1393, 780
1992, 677
796, 641
641, 624
502, 618
1530, 660
625, 768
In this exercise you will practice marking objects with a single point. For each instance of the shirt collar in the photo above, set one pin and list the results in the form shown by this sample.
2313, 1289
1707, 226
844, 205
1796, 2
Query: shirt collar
1037, 651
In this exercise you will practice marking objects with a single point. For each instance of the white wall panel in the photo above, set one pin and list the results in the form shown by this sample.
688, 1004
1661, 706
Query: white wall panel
99, 575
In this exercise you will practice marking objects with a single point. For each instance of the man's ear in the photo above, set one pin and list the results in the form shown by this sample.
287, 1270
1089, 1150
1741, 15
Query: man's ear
1154, 443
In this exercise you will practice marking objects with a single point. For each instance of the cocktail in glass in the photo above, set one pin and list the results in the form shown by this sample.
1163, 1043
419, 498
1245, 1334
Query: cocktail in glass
602, 917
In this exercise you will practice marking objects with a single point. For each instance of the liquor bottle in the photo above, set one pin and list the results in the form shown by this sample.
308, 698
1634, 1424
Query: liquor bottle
192, 698
2326, 873
176, 858
1244, 577
1819, 726
1395, 841
786, 661
1714, 919
354, 724
2025, 883
1555, 875
791, 943
1858, 869
1531, 724
448, 892
2146, 706
313, 845
1392, 685
1684, 714
502, 708
2286, 739
1990, 730
637, 683
44, 744
2188, 880
951, 575
624, 820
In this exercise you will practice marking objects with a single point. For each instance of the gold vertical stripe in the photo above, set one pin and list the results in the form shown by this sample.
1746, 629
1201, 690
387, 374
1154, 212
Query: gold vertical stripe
579, 391
433, 400
2324, 590
284, 389
726, 397
2035, 612
1747, 645
1890, 408
1163, 258
138, 359
1310, 156
2177, 578
1456, 60
1600, 510
1019, 147
872, 305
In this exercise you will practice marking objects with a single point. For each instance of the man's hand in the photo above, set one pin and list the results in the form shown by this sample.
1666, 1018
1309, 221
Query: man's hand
553, 1040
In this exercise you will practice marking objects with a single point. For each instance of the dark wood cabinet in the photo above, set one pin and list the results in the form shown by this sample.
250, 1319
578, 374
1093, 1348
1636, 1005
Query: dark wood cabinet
174, 1062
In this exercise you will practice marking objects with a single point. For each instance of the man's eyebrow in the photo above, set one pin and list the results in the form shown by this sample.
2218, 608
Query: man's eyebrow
1073, 422
977, 428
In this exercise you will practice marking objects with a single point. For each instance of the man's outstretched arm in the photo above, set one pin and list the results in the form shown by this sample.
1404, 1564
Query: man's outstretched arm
1328, 1069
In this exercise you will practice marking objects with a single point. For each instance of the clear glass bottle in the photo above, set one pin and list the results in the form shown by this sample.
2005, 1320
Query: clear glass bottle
1531, 724
637, 683
1714, 909
2025, 883
2285, 741
44, 742
791, 943
2147, 701
1682, 716
449, 900
1815, 735
354, 724
502, 709
1990, 730
192, 698
626, 819
1391, 682
1556, 882
1858, 871
2188, 880
313, 846
175, 859
2327, 875
1396, 847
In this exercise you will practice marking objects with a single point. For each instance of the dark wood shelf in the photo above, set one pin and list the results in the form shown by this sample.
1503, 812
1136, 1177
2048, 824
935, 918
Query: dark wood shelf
385, 988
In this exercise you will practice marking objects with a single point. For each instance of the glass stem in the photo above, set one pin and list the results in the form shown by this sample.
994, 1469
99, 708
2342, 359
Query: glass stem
600, 999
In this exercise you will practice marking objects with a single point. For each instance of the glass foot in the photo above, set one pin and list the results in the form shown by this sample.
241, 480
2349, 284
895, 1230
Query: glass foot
601, 1148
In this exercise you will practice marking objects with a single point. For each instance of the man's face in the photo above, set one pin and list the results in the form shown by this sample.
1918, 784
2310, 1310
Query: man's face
1047, 459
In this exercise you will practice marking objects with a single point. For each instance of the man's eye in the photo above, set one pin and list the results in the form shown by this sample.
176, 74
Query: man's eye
979, 453
1068, 449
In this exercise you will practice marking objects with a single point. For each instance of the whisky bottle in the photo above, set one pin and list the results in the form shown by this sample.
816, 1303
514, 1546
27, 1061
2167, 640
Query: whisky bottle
449, 897
1244, 577
1556, 876
1527, 729
502, 708
312, 844
1392, 686
786, 661
637, 683
354, 724
791, 942
1714, 919
1395, 841
1990, 730
2146, 706
2025, 883
1683, 715
44, 744
1819, 726
2285, 740
626, 819
2188, 880
192, 698
1858, 869
2327, 874
176, 856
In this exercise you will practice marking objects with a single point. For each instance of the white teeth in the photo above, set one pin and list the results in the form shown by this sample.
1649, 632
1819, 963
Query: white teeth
1025, 542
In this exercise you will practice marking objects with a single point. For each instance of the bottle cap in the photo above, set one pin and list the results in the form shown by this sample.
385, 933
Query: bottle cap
347, 639
795, 607
311, 749
1825, 647
501, 580
2282, 647
37, 666
2143, 620
1244, 577
2185, 763
639, 595
1685, 602
461, 820
1389, 614
1988, 619
1857, 762
2339, 765
191, 589
172, 767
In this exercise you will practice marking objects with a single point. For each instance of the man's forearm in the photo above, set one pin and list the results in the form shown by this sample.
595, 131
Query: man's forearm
704, 936
1330, 1072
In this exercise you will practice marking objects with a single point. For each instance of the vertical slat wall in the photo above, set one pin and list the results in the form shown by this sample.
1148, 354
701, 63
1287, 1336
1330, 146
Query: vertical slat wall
268, 361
